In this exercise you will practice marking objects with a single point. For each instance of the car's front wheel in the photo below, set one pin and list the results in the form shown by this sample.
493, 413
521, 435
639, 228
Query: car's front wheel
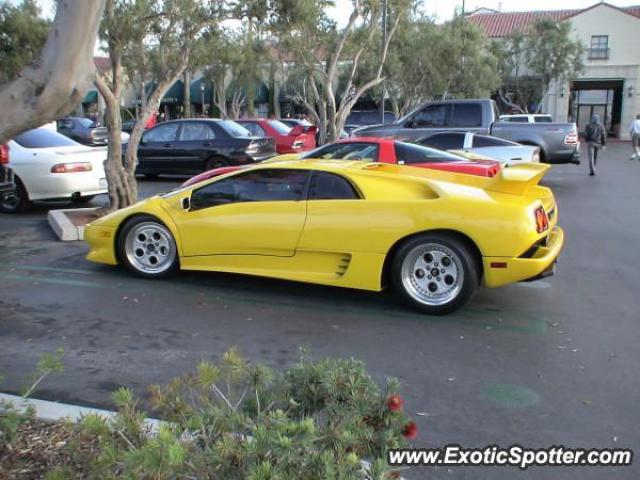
18, 201
436, 273
147, 247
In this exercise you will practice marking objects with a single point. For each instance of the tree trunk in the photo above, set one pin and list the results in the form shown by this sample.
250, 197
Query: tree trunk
54, 86
187, 95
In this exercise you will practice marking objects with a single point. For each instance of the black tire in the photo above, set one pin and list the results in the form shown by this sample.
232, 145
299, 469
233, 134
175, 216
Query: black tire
215, 162
122, 250
18, 202
414, 281
82, 200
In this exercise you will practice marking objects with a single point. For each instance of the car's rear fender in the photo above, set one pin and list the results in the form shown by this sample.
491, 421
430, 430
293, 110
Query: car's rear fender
473, 248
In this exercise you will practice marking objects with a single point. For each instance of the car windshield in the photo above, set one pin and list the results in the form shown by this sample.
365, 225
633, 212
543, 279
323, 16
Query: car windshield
87, 122
409, 153
279, 127
346, 151
234, 129
43, 138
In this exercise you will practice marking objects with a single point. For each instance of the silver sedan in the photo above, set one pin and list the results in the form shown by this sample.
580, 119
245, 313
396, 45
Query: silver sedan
473, 145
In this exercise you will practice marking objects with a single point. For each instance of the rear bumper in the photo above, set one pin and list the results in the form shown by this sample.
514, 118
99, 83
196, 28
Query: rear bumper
64, 185
572, 156
500, 271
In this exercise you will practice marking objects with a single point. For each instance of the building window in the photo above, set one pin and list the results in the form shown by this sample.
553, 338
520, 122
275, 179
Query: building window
599, 47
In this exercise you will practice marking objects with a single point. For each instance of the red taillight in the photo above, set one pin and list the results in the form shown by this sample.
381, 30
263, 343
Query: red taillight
571, 139
71, 167
4, 153
542, 221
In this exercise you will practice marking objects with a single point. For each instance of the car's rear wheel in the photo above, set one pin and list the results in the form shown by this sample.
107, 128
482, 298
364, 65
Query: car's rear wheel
82, 200
147, 247
436, 273
215, 162
17, 202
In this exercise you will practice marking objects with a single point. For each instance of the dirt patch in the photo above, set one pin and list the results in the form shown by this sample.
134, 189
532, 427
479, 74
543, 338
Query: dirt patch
82, 217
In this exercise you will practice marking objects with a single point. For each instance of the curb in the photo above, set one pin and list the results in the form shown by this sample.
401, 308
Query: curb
62, 226
55, 412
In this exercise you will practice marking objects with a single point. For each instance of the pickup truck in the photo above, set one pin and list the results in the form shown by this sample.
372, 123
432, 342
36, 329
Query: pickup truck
558, 142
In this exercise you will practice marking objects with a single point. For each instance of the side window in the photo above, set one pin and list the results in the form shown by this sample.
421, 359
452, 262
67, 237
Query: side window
480, 141
192, 131
467, 115
519, 119
255, 186
445, 141
255, 129
65, 124
431, 116
162, 133
411, 154
328, 186
542, 119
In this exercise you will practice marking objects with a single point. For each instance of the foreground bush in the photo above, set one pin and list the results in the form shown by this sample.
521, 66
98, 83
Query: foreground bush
232, 420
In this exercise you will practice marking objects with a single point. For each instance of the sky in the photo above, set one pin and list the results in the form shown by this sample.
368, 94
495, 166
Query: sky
443, 10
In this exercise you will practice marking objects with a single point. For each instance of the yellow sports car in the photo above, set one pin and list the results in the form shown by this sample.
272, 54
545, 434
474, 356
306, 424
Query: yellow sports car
432, 235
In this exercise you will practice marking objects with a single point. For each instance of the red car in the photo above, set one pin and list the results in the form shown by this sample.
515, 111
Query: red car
385, 150
288, 140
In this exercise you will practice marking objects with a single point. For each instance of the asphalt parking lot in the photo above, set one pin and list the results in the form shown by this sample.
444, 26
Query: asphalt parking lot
553, 362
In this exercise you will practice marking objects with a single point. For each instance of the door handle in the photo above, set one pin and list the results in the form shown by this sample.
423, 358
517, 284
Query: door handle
167, 145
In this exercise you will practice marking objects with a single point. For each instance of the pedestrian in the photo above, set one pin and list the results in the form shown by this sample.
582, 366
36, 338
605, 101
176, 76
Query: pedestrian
596, 138
634, 132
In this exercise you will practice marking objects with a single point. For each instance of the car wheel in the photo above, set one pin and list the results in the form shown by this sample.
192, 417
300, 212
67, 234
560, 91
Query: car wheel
82, 200
436, 273
147, 247
18, 202
215, 162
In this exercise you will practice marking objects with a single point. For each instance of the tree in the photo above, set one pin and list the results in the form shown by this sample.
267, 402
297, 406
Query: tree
163, 34
22, 36
56, 84
530, 60
330, 57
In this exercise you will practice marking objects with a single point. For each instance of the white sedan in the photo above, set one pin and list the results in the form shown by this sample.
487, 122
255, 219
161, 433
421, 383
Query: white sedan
50, 166
473, 145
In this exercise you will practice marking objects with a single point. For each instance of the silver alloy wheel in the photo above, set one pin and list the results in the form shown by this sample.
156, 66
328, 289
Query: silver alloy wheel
432, 274
149, 248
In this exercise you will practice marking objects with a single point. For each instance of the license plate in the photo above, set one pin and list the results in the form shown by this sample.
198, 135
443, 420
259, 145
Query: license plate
102, 183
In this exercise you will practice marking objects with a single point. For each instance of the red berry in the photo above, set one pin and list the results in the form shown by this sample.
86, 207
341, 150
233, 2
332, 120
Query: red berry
410, 431
395, 402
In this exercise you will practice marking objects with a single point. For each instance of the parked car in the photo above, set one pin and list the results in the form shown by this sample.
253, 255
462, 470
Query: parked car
192, 146
558, 142
362, 118
7, 185
299, 138
293, 122
465, 143
527, 118
83, 130
50, 166
127, 125
383, 150
429, 234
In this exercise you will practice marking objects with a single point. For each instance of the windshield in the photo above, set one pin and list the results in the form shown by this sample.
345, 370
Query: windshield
43, 138
86, 122
234, 129
279, 127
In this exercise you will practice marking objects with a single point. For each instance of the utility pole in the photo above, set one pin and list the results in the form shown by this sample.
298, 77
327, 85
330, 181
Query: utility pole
384, 41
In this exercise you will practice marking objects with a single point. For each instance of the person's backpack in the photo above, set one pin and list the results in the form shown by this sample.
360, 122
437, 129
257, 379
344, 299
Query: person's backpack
589, 132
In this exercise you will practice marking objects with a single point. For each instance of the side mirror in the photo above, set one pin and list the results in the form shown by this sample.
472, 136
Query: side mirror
186, 203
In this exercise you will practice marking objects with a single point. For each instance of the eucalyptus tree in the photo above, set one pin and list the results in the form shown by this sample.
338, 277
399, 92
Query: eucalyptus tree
56, 82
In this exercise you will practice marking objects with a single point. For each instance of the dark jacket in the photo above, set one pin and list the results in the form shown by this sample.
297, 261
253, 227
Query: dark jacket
595, 133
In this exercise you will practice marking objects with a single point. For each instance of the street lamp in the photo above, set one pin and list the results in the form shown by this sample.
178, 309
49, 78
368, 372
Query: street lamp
202, 95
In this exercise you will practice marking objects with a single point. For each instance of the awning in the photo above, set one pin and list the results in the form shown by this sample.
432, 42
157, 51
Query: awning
196, 91
91, 97
173, 96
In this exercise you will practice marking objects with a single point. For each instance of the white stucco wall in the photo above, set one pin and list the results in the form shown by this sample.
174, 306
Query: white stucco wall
623, 63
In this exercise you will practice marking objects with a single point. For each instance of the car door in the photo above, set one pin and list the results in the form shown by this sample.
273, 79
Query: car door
195, 142
157, 150
260, 212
